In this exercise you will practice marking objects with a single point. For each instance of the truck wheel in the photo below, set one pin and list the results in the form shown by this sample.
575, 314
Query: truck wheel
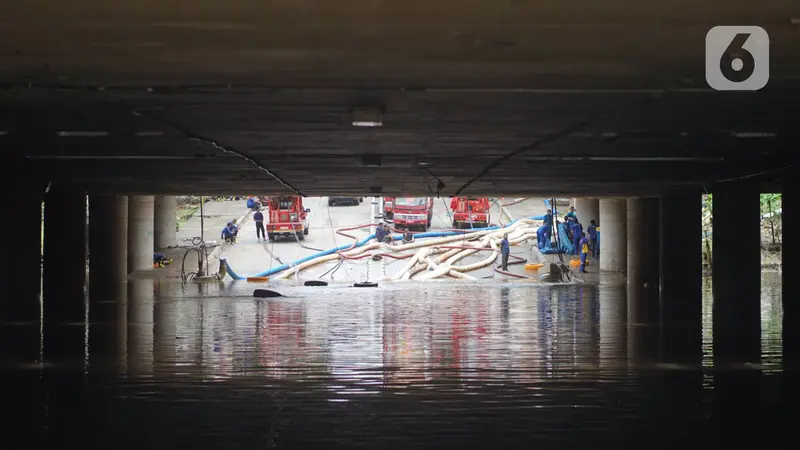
330, 202
305, 230
301, 236
271, 237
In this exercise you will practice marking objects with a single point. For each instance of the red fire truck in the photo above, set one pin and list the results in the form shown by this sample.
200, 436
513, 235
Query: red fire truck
412, 212
287, 218
388, 207
470, 212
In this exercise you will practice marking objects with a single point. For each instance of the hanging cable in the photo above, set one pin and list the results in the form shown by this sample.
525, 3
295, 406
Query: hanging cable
225, 149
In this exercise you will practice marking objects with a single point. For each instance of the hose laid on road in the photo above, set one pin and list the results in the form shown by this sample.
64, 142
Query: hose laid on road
359, 246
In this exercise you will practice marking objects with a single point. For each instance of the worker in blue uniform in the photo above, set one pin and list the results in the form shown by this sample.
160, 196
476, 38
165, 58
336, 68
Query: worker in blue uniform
544, 232
229, 233
583, 245
592, 230
577, 234
258, 218
380, 232
571, 215
505, 251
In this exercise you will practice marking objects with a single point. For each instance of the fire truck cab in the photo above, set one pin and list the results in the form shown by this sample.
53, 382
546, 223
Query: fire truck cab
388, 207
287, 218
470, 212
412, 212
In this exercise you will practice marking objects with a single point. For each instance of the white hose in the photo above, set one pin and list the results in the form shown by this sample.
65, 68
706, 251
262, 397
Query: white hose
518, 232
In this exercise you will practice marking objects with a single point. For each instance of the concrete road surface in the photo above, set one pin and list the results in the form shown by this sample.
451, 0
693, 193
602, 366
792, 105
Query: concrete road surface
249, 256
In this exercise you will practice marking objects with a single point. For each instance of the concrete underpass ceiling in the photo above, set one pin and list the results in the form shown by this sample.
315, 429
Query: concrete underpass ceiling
511, 98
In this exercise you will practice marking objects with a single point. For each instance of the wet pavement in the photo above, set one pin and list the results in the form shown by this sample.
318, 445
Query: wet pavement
250, 256
435, 365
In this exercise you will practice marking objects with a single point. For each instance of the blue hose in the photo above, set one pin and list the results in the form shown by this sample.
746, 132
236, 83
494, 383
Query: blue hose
396, 237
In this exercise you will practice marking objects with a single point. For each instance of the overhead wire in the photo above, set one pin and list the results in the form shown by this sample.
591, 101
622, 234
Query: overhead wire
198, 138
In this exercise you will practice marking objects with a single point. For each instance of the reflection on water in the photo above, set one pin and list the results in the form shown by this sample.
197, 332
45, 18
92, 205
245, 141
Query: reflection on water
406, 365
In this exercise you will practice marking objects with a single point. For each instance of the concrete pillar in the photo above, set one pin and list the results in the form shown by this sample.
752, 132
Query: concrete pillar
140, 232
588, 209
64, 254
736, 256
64, 274
165, 231
736, 281
681, 278
644, 262
790, 205
643, 242
21, 270
790, 283
613, 235
108, 219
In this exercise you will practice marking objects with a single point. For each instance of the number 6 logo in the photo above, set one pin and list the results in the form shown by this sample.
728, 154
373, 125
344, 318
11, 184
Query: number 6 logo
737, 58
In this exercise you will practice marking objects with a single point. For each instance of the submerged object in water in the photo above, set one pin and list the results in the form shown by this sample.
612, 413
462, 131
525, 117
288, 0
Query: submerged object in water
265, 293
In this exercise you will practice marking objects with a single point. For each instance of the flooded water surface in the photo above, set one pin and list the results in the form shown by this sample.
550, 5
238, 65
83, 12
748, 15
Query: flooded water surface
438, 365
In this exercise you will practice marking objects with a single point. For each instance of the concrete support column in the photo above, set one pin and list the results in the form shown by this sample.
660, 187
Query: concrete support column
64, 274
644, 263
165, 231
790, 282
21, 270
681, 302
643, 243
737, 274
140, 232
588, 209
681, 278
790, 205
736, 247
108, 221
64, 254
613, 235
